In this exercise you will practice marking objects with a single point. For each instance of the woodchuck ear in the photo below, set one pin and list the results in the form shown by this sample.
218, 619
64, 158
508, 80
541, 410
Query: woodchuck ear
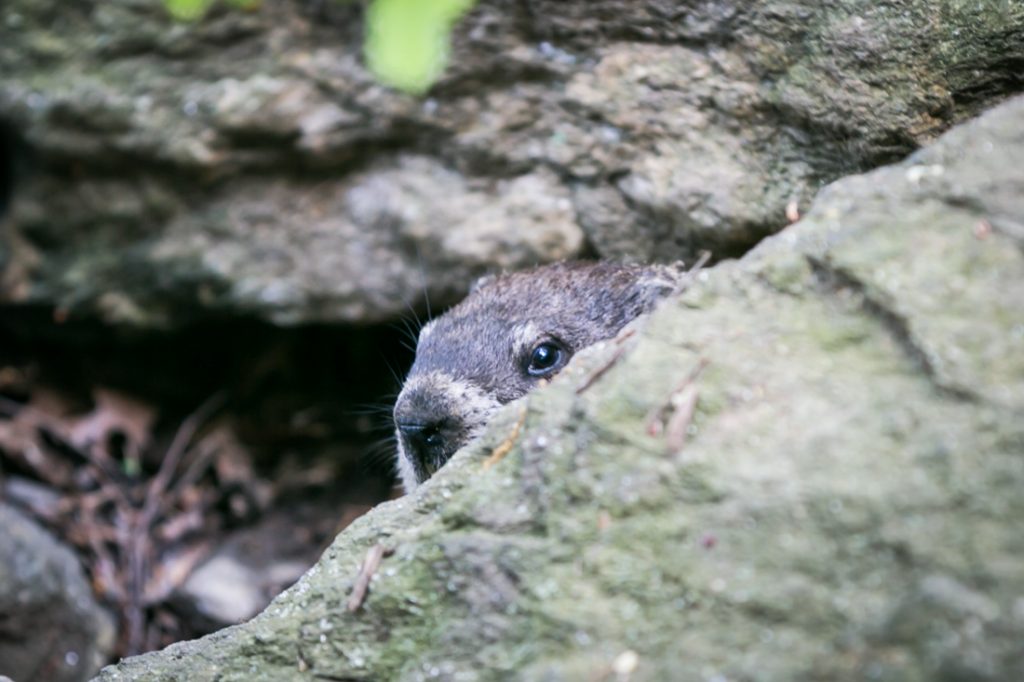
482, 281
655, 282
662, 280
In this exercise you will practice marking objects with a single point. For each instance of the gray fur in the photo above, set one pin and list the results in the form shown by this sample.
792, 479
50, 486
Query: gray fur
474, 358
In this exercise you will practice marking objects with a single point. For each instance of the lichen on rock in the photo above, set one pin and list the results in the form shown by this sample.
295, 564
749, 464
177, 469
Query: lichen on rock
844, 501
638, 130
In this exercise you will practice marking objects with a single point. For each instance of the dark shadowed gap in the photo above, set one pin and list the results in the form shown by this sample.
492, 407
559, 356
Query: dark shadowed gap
308, 385
308, 405
13, 157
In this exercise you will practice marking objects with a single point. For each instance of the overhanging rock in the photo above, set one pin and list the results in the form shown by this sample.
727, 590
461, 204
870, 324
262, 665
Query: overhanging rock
843, 502
248, 165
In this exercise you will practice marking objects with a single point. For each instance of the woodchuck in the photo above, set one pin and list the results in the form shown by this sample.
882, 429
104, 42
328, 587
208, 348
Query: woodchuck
512, 331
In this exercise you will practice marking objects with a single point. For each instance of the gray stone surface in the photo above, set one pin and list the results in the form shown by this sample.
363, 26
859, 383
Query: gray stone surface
51, 629
845, 504
248, 164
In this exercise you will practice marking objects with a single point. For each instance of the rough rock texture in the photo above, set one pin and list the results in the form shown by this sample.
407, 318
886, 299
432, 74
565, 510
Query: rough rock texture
842, 503
51, 629
248, 164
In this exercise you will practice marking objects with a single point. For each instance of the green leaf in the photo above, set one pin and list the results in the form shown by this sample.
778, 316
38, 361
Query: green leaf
187, 10
407, 41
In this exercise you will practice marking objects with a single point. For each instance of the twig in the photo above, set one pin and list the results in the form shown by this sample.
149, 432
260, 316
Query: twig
195, 469
362, 583
176, 450
682, 402
694, 270
793, 211
600, 371
675, 430
505, 446
141, 523
623, 335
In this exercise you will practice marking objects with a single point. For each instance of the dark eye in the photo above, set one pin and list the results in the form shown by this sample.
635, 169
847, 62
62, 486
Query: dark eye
545, 359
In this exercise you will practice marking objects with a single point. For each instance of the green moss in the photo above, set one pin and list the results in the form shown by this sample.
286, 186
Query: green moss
789, 273
848, 506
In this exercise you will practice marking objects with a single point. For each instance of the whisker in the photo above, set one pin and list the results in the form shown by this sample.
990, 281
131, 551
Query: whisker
371, 410
380, 452
412, 311
394, 374
423, 282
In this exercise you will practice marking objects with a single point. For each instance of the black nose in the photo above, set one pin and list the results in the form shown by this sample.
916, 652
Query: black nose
422, 437
429, 430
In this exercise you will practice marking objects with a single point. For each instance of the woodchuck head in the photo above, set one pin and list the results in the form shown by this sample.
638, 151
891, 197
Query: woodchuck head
511, 332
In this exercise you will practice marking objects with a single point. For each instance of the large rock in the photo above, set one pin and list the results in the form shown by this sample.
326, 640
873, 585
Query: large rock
51, 629
844, 501
249, 165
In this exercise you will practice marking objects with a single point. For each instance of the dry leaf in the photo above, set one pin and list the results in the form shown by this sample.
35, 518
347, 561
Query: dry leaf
114, 414
22, 440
